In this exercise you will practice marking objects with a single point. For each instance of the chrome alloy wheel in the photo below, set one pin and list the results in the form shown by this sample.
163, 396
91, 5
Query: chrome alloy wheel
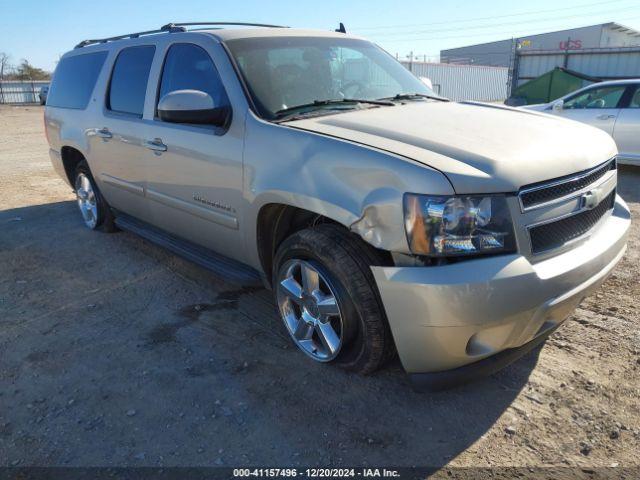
87, 201
310, 310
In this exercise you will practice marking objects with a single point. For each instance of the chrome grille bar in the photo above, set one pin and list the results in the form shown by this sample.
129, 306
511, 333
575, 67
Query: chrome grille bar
554, 191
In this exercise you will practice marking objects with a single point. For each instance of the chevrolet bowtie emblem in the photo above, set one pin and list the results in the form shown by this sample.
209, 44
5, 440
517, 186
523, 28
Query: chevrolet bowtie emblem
590, 200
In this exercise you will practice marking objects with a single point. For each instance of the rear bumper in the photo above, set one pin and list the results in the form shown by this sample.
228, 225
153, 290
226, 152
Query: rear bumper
444, 318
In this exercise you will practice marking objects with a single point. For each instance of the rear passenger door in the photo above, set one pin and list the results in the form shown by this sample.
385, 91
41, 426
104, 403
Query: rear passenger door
627, 130
195, 171
117, 134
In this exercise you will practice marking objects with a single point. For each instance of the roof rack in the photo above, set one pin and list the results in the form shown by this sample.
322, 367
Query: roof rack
240, 24
84, 43
172, 28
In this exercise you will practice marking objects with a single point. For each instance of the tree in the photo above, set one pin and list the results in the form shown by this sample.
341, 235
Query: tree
26, 71
4, 64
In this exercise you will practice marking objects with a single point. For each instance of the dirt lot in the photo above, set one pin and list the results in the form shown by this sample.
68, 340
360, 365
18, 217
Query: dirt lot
114, 352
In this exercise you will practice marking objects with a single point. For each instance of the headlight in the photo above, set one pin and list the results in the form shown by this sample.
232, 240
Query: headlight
442, 226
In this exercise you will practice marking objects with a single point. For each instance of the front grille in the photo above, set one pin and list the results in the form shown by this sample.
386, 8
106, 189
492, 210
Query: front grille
555, 234
539, 194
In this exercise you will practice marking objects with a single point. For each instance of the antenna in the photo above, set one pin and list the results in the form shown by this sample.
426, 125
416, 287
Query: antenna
341, 28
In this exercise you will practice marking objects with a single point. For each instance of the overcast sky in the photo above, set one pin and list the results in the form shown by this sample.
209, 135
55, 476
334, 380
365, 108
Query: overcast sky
42, 31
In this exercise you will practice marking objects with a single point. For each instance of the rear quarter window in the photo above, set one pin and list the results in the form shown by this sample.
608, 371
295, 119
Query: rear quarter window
74, 80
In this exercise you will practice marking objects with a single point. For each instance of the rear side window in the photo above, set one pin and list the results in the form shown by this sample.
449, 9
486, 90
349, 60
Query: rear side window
74, 80
129, 80
189, 67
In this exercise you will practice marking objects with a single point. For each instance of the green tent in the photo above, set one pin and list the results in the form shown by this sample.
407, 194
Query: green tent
549, 86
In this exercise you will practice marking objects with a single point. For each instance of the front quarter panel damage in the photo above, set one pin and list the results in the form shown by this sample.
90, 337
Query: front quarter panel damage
358, 186
381, 223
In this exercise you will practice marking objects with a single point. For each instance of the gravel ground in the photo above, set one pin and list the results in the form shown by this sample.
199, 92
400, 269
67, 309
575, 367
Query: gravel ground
114, 352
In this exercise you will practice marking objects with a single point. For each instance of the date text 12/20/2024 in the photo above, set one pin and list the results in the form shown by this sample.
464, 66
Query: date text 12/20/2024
316, 472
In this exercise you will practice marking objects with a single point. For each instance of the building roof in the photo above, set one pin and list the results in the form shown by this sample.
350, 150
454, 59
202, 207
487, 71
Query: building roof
622, 28
612, 25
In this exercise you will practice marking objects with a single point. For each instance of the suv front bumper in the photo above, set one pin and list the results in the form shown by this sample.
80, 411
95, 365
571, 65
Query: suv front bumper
451, 322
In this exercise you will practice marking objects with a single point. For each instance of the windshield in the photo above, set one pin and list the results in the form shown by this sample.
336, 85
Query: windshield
284, 72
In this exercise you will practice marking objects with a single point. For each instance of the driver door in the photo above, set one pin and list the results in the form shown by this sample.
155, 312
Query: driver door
597, 106
194, 179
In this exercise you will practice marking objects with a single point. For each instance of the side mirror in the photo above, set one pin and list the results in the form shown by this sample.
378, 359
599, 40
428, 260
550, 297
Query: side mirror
192, 106
427, 82
558, 105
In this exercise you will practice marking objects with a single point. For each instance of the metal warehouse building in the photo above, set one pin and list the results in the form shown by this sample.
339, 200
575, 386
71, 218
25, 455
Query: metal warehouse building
606, 51
464, 82
500, 53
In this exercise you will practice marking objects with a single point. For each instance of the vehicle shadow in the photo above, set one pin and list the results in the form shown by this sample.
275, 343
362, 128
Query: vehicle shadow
224, 376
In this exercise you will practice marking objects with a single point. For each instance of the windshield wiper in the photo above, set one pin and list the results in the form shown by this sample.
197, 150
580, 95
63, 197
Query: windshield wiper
411, 96
329, 102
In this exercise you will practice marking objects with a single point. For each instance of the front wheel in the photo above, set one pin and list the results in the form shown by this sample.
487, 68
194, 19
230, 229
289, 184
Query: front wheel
328, 299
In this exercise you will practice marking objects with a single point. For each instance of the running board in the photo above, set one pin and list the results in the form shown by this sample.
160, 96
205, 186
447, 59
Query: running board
225, 267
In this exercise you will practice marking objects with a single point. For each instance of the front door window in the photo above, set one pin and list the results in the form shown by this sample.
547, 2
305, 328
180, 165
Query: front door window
603, 97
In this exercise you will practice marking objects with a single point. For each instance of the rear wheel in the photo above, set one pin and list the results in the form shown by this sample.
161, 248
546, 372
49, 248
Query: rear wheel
328, 299
94, 209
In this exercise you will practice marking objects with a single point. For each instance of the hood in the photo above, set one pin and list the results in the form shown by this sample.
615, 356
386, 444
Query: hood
538, 107
481, 148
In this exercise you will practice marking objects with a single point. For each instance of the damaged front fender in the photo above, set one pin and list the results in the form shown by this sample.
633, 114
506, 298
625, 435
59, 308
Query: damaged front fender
355, 185
381, 223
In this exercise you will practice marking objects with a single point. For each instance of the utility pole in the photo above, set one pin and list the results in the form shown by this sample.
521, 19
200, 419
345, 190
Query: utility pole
514, 66
566, 53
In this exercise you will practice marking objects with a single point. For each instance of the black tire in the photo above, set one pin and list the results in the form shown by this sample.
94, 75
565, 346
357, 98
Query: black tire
345, 259
106, 220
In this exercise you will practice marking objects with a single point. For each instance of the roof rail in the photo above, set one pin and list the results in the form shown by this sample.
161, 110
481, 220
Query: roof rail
171, 28
242, 24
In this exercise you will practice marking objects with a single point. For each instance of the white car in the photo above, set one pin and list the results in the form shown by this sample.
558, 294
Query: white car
611, 106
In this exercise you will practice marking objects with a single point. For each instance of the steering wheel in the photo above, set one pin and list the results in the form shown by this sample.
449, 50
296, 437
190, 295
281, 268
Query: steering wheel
359, 89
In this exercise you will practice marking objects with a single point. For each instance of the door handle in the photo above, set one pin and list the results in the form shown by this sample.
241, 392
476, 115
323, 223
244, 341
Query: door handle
104, 133
156, 145
604, 116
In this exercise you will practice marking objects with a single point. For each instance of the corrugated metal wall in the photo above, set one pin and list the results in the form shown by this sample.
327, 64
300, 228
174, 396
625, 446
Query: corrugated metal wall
464, 82
20, 92
605, 63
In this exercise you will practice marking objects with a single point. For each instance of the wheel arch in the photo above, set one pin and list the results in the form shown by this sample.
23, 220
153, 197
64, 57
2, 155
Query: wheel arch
277, 219
71, 157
